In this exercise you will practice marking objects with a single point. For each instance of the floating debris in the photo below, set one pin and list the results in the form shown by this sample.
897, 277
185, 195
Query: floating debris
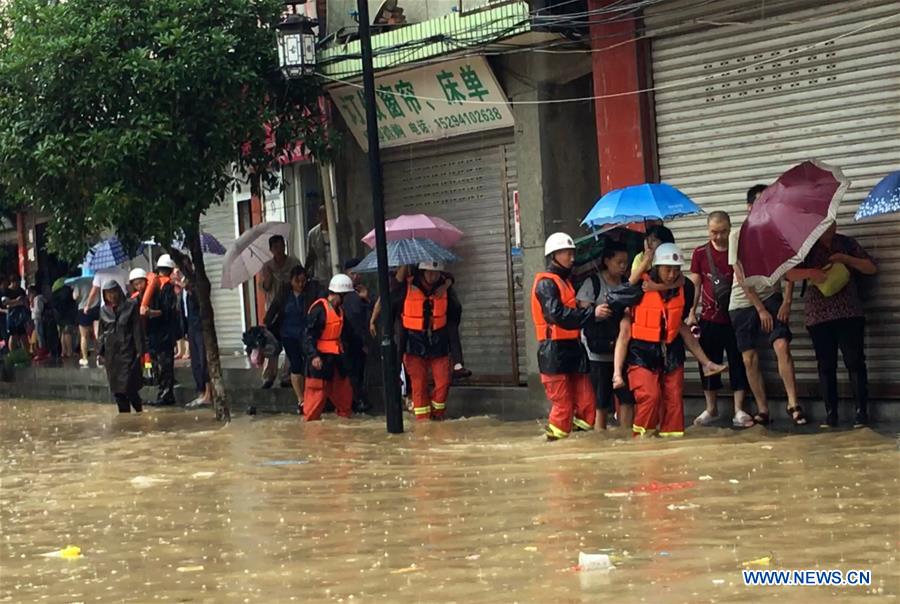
70, 552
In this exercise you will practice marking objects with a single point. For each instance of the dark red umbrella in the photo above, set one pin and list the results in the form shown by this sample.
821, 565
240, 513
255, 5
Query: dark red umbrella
788, 219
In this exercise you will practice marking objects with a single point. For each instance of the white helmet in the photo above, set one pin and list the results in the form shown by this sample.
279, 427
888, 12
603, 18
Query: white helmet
668, 254
557, 242
137, 273
340, 284
431, 266
165, 261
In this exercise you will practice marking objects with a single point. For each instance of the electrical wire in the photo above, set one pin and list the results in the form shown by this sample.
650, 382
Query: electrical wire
699, 79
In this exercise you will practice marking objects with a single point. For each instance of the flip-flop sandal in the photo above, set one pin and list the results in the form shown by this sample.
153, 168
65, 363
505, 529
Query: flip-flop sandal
710, 369
762, 419
704, 419
800, 419
742, 420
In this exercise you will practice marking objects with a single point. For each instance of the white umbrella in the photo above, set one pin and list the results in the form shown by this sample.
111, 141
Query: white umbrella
250, 251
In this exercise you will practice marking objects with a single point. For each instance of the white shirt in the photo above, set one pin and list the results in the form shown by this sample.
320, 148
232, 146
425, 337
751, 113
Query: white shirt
102, 276
739, 297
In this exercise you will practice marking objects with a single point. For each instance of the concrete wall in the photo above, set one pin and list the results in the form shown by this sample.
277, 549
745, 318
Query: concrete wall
556, 159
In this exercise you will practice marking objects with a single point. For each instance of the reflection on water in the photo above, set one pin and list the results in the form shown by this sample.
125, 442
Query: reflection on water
170, 506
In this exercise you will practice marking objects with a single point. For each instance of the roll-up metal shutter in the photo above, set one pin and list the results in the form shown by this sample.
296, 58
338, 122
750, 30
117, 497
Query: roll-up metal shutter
464, 182
745, 90
219, 222
518, 265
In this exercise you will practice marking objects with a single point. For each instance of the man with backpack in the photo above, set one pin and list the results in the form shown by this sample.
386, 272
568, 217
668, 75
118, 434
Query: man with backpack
713, 278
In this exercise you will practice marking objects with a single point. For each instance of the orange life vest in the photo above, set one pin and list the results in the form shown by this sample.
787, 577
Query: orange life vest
413, 315
330, 340
653, 315
544, 330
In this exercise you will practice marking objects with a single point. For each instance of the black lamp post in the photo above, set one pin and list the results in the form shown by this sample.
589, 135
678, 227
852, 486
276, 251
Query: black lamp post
297, 58
393, 409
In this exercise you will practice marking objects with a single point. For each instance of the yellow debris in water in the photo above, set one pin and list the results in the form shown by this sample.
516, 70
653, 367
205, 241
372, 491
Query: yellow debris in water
70, 552
409, 569
764, 561
189, 569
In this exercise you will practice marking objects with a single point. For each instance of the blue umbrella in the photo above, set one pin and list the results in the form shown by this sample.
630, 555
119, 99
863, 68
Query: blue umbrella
106, 254
405, 252
640, 202
883, 199
208, 245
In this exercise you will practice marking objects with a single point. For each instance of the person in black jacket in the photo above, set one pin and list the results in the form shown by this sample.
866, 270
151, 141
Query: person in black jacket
121, 346
326, 370
558, 321
357, 312
286, 319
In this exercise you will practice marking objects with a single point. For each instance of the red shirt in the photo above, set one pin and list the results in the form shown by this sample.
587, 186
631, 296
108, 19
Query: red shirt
700, 266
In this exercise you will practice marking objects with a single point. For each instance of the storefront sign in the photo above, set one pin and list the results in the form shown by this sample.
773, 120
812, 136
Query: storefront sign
428, 103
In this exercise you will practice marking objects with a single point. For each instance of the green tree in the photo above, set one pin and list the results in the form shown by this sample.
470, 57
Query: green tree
133, 117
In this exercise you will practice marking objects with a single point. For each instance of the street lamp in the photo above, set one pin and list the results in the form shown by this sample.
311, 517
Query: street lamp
296, 43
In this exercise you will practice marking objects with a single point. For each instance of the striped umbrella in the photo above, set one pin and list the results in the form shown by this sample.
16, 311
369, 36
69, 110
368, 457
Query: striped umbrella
405, 252
106, 254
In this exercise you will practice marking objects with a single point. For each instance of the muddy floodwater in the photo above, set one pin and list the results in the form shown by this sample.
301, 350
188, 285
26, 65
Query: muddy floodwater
169, 506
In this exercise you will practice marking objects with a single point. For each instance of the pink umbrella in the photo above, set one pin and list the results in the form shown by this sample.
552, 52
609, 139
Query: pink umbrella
788, 219
418, 226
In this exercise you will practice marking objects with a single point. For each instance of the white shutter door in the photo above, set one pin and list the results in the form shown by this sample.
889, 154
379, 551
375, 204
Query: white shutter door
739, 104
463, 182
219, 222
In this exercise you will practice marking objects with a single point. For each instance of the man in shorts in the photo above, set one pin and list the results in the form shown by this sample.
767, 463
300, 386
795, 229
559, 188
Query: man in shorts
757, 311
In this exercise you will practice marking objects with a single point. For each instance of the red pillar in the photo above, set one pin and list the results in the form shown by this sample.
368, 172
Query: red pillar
625, 138
21, 240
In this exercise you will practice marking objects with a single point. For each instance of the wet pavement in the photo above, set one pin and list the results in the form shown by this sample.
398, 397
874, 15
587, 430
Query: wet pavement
169, 506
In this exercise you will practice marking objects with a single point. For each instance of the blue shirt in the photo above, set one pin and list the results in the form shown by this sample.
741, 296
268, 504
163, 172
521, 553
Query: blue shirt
294, 322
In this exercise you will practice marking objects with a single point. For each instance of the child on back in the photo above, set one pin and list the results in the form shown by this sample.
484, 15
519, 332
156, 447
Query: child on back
651, 347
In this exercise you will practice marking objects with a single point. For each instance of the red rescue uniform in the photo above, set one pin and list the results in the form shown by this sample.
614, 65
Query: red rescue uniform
324, 325
425, 344
562, 359
656, 361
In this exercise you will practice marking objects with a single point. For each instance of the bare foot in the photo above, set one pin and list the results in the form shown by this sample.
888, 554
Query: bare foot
711, 369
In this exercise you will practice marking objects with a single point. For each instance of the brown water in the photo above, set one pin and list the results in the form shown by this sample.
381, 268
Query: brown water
171, 507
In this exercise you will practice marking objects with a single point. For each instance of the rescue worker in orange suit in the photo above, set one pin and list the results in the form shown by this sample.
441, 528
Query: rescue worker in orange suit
137, 278
160, 305
423, 307
327, 376
651, 344
558, 320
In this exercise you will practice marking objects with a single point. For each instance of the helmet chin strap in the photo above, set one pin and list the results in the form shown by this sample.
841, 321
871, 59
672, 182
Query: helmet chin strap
559, 266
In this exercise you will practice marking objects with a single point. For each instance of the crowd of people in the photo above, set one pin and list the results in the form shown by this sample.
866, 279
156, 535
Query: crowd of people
324, 332
95, 312
616, 345
612, 348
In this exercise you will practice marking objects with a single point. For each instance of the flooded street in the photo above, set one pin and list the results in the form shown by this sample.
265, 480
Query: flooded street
169, 506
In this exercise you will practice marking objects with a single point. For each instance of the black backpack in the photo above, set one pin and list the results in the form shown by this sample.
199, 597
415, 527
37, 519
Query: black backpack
601, 335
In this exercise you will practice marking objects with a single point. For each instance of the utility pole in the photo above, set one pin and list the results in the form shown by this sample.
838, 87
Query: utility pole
391, 373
